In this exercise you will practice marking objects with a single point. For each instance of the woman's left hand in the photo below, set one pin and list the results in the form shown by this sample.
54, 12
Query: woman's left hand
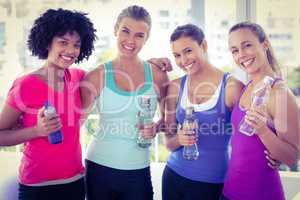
273, 163
257, 119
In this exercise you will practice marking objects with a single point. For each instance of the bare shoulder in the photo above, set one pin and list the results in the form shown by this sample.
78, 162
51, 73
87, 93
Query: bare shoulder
174, 86
9, 116
282, 101
96, 73
281, 92
233, 90
94, 79
233, 82
280, 85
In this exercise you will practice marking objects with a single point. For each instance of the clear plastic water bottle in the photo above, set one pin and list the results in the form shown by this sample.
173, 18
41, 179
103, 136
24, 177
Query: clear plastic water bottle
260, 98
190, 152
145, 117
55, 137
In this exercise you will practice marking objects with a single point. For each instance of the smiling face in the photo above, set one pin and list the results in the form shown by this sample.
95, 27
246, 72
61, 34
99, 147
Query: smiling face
188, 54
64, 50
131, 36
248, 53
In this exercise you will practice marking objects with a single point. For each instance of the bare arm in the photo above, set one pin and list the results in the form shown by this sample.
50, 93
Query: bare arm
232, 91
10, 136
161, 80
90, 88
282, 107
285, 146
170, 118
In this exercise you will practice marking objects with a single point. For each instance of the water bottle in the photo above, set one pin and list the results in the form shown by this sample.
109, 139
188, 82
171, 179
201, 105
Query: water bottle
145, 117
190, 152
55, 137
260, 98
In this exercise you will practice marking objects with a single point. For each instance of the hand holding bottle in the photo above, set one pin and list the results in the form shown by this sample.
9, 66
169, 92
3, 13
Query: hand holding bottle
185, 138
190, 128
145, 115
148, 131
47, 125
260, 97
257, 118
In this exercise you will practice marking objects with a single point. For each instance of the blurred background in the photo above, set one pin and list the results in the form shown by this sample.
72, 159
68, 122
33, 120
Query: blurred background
279, 18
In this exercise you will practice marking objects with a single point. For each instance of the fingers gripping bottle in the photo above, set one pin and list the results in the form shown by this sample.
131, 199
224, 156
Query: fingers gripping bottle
260, 97
190, 152
145, 116
55, 137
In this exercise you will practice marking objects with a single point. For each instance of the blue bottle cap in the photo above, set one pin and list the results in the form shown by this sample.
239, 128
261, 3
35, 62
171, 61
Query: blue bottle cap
47, 104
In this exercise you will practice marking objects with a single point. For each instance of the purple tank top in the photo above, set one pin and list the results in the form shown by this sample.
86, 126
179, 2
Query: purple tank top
249, 177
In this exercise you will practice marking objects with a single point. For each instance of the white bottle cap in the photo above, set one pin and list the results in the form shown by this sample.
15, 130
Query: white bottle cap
268, 80
189, 110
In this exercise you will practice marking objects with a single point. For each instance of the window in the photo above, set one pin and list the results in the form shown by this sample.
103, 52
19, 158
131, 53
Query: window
164, 13
219, 17
163, 22
280, 19
2, 37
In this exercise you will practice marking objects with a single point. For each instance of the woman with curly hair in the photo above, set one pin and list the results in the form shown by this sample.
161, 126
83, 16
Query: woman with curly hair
50, 171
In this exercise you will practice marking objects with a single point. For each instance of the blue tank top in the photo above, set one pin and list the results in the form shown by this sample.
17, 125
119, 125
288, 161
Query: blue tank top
214, 135
114, 144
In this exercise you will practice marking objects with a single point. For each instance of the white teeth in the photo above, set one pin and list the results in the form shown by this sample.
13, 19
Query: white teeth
188, 66
128, 48
247, 62
67, 58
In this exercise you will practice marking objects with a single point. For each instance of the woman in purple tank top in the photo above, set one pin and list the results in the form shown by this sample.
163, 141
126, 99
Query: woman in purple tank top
249, 176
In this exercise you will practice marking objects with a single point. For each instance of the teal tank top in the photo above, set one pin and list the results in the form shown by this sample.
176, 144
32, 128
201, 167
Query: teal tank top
114, 144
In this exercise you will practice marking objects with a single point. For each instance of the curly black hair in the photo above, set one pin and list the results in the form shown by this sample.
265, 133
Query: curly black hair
57, 23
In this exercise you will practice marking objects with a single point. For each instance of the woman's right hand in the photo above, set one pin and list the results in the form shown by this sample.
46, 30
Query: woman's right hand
163, 64
185, 138
46, 125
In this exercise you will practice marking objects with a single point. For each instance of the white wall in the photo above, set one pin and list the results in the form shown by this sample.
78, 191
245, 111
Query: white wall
9, 163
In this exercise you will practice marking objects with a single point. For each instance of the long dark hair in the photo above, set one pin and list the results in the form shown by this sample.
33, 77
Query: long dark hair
259, 32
